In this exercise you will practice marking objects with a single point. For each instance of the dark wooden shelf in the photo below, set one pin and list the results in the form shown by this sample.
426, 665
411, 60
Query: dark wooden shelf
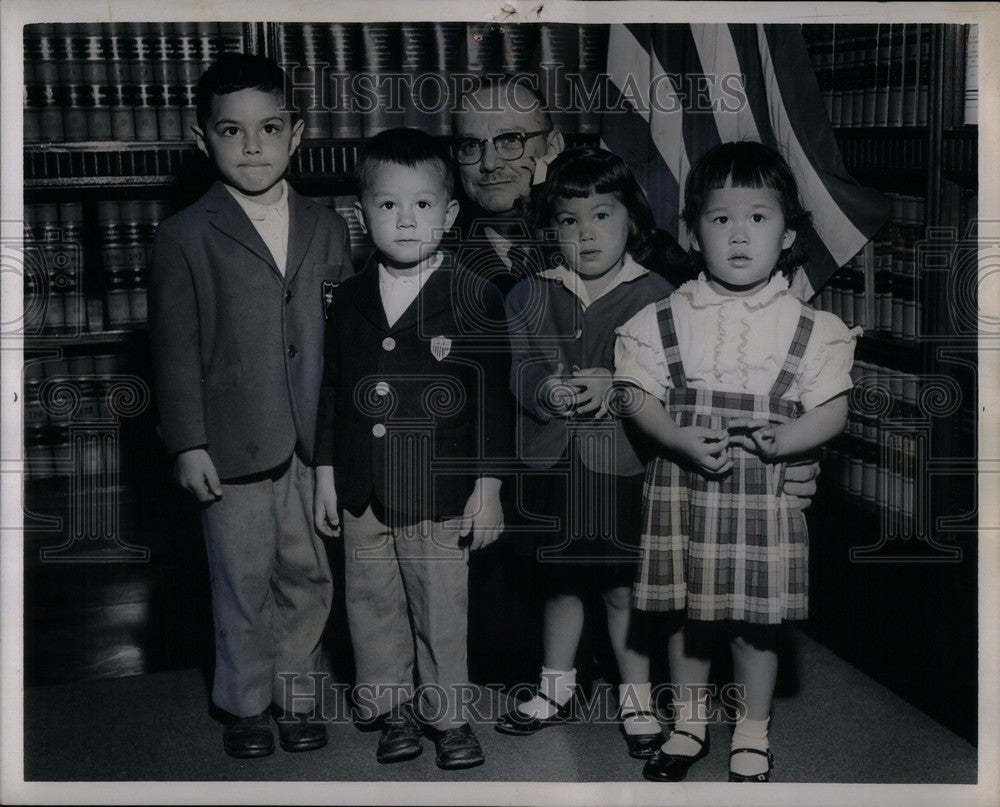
894, 353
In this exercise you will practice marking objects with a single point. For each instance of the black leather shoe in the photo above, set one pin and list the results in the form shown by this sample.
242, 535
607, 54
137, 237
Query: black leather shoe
663, 767
758, 777
457, 748
248, 737
299, 732
400, 738
641, 746
517, 723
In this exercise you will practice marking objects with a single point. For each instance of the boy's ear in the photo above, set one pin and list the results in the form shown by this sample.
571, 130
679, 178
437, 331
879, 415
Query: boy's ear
297, 128
359, 214
199, 138
451, 213
788, 239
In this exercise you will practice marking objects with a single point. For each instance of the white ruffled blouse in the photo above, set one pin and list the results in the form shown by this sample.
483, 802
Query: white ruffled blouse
737, 344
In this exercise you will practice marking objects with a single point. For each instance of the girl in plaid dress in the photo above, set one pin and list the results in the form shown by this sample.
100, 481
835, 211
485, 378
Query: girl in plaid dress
731, 377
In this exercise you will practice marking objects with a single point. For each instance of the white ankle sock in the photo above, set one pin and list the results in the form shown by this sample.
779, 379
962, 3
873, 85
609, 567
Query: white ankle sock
750, 734
556, 684
695, 723
636, 698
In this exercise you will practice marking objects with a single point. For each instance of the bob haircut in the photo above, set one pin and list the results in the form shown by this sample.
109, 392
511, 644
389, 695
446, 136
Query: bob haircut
581, 172
233, 72
406, 147
746, 164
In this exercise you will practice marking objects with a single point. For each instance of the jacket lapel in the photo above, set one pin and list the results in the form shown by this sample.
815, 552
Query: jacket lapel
433, 297
228, 218
369, 299
302, 221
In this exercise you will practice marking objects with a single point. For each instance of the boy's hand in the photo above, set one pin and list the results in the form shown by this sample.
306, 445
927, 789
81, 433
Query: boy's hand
706, 448
482, 522
594, 385
326, 514
195, 472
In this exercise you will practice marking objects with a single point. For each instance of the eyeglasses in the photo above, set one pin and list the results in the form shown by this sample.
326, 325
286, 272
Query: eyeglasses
509, 146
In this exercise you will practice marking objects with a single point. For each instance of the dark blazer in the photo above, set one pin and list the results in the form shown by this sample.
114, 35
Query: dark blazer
237, 348
411, 415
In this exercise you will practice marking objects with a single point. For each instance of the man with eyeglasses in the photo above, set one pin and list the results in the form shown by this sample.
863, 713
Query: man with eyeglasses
503, 137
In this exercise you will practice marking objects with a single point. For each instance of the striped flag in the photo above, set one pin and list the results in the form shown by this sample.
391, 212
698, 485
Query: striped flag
685, 88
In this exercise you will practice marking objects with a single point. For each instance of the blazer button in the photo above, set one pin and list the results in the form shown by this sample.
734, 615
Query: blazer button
288, 296
378, 430
381, 389
388, 343
291, 351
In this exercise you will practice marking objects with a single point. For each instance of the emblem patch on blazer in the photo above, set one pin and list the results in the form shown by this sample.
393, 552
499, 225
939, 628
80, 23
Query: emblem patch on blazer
328, 287
440, 347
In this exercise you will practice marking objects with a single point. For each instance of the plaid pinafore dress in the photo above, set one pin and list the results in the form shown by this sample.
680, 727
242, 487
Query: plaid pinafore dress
726, 548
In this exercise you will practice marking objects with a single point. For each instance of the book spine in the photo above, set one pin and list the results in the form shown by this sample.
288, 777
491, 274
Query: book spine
911, 74
483, 48
869, 75
592, 63
971, 105
897, 59
558, 56
924, 75
839, 74
881, 112
345, 65
382, 62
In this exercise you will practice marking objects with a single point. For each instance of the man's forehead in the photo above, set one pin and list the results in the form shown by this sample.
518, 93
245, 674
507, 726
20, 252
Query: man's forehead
512, 105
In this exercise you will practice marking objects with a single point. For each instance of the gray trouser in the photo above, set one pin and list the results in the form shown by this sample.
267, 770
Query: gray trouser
271, 592
407, 602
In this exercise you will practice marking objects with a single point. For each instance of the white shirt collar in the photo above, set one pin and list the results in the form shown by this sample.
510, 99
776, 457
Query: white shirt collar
255, 210
700, 293
424, 271
500, 244
630, 271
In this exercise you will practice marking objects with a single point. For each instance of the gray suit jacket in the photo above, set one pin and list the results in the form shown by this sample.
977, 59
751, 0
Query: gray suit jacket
237, 348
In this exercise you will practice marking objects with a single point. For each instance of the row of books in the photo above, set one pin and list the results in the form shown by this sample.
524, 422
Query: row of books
880, 289
353, 80
899, 301
117, 81
879, 154
873, 460
873, 75
63, 297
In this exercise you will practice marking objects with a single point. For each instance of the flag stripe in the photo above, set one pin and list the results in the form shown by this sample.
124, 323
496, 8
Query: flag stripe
632, 135
866, 208
678, 119
838, 232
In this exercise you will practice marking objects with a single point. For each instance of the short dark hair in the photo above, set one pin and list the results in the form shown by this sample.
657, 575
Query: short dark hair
747, 164
584, 171
505, 84
402, 146
233, 72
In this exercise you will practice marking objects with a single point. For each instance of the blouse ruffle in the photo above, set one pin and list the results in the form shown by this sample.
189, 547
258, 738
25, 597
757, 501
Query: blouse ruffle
737, 344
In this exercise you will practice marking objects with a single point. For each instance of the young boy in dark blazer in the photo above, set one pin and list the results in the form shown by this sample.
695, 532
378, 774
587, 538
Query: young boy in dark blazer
414, 416
236, 325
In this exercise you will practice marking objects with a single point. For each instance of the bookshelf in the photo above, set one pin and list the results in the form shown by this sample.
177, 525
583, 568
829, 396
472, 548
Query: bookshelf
893, 525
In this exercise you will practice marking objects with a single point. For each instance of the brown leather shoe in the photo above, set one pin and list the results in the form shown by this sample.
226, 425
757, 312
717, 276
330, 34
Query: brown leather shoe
458, 748
299, 732
400, 738
248, 737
